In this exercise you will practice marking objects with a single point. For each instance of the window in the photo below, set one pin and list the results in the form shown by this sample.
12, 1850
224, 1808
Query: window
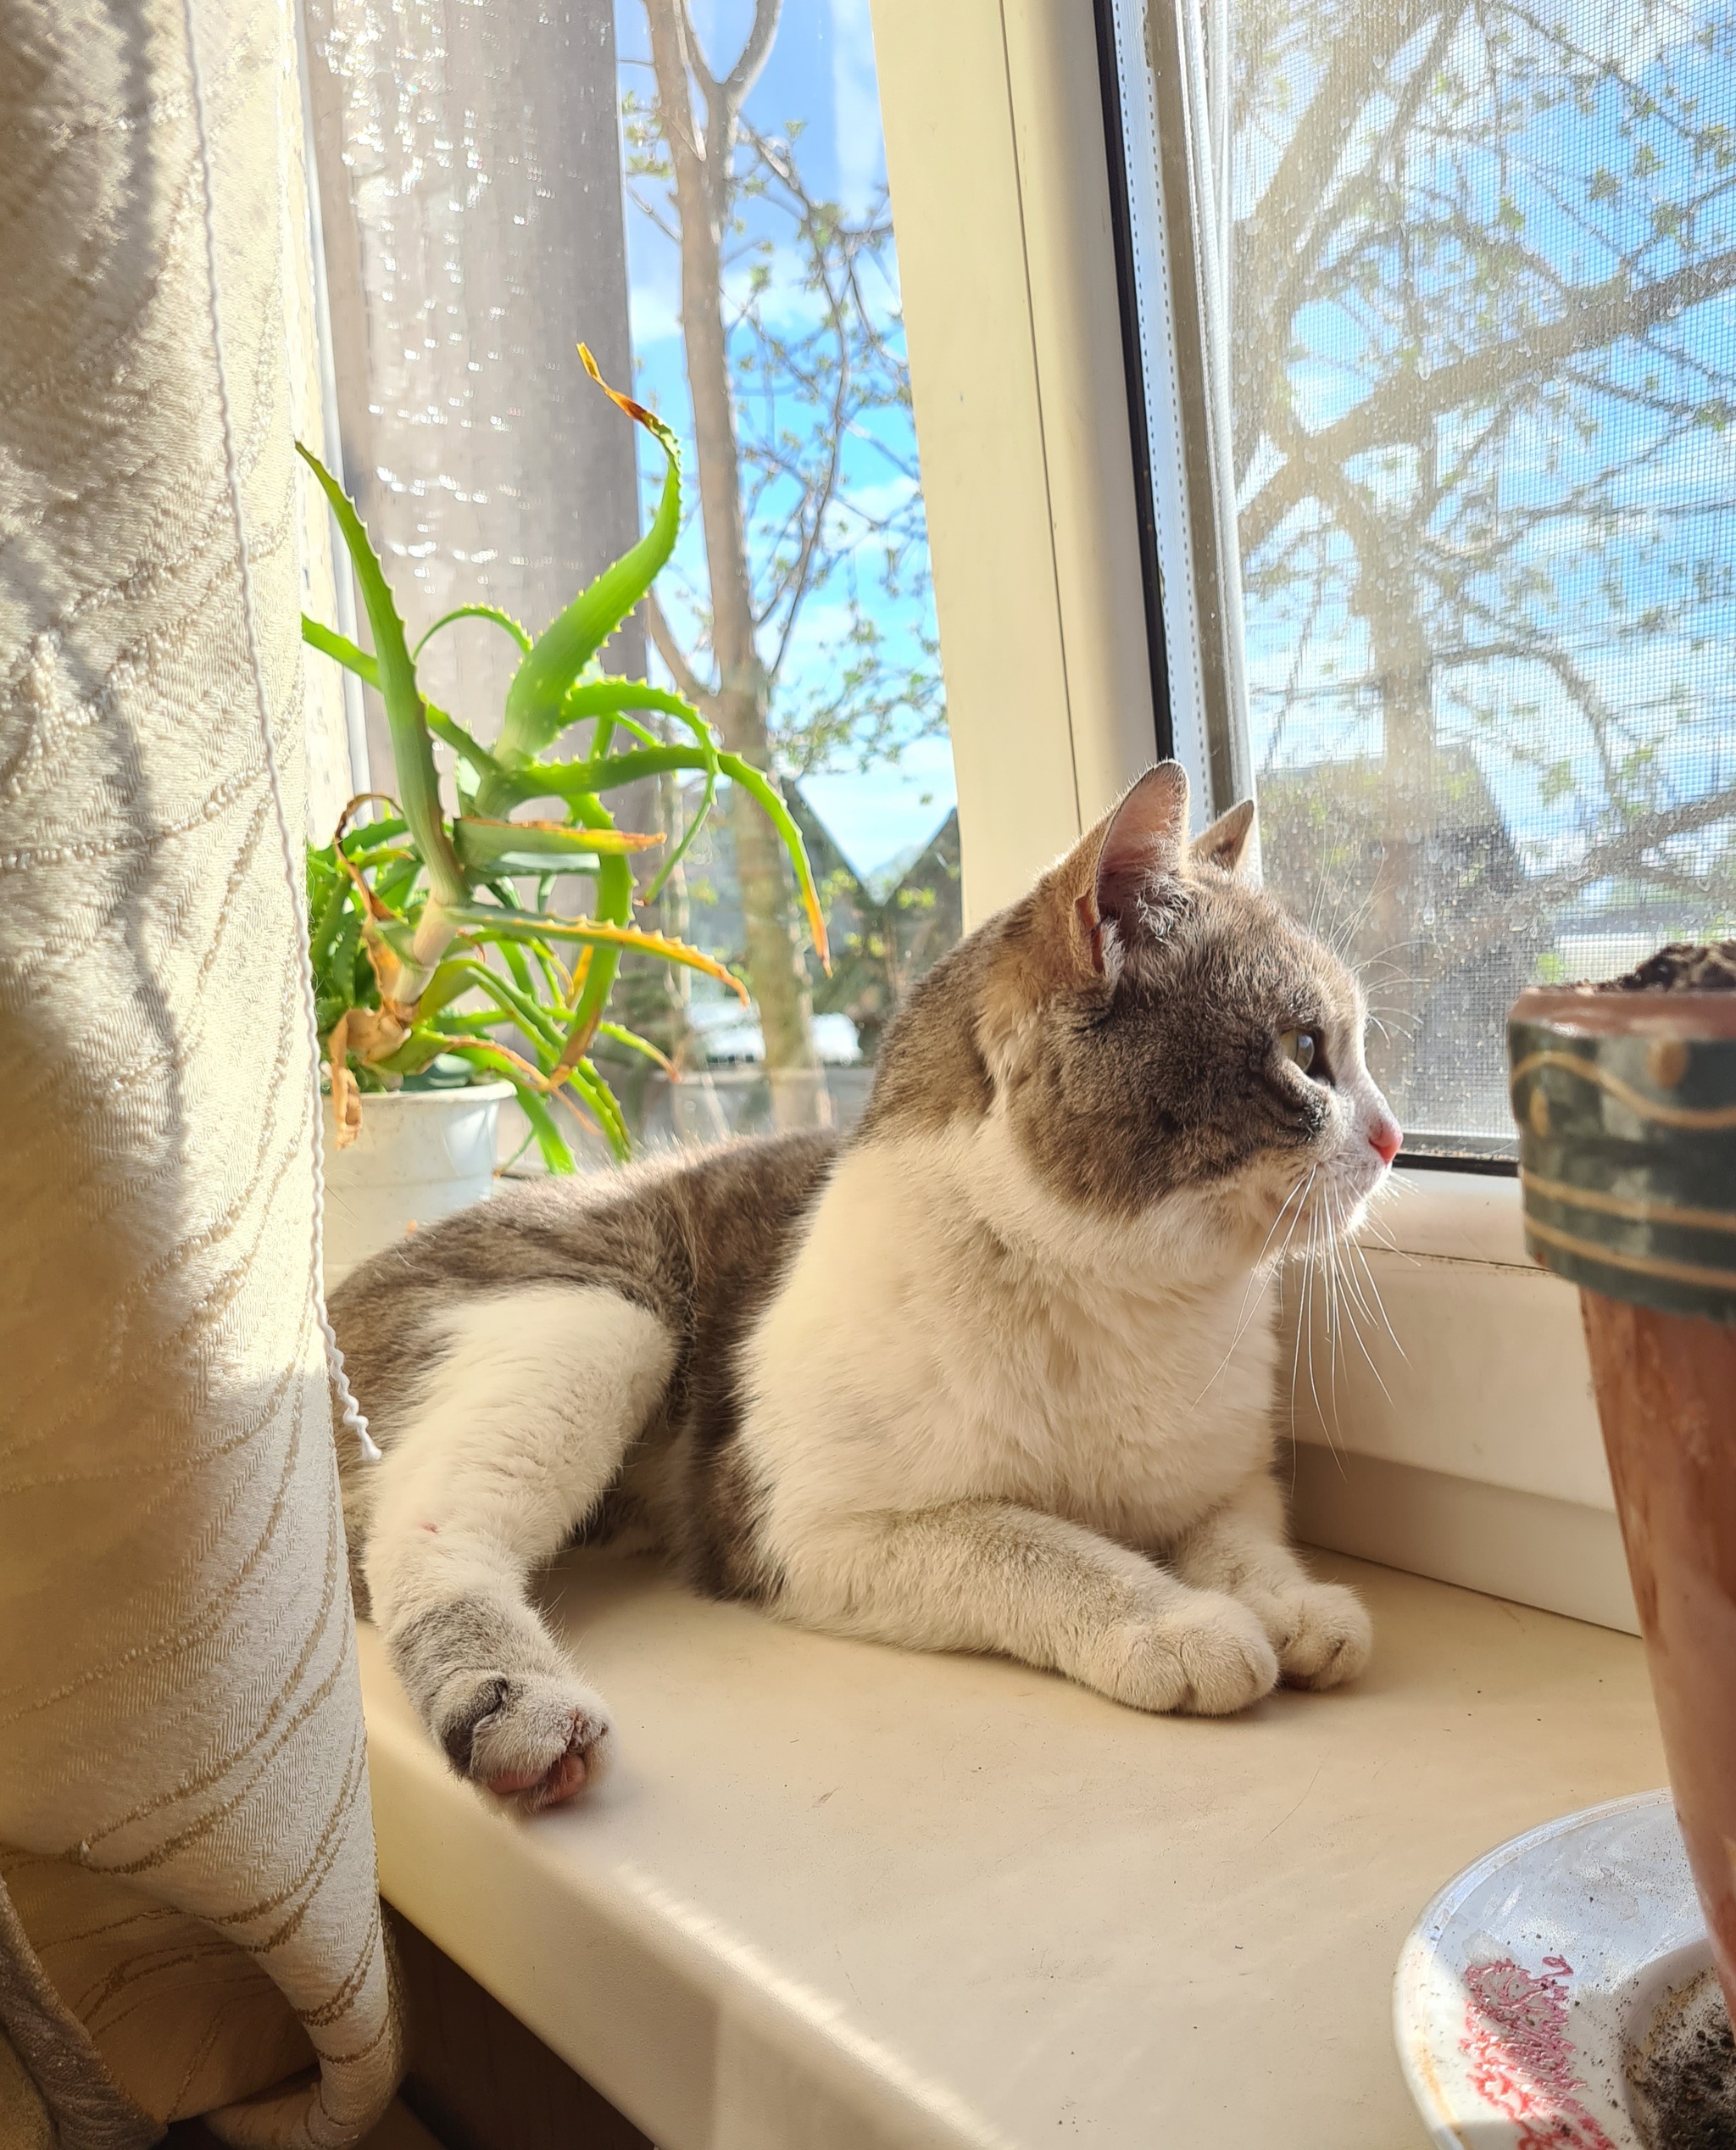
1437, 355
797, 612
498, 182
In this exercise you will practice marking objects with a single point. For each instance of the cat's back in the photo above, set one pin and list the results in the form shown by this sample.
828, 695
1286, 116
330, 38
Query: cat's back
691, 1239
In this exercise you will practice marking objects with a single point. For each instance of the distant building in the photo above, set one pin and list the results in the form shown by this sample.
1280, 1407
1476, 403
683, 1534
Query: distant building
1346, 858
885, 933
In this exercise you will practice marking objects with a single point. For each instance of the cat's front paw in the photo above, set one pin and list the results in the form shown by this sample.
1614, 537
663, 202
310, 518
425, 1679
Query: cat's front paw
526, 1736
1207, 1657
1320, 1632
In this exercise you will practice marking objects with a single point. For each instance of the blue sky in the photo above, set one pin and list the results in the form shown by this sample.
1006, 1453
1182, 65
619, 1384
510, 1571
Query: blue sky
820, 73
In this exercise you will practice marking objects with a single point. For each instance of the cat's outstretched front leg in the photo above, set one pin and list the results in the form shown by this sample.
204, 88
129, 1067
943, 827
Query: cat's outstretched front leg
1319, 1630
533, 1402
990, 1575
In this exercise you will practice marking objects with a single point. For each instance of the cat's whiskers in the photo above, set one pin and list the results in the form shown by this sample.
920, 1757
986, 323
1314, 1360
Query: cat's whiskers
1372, 1225
1344, 930
1301, 1320
1343, 1312
1375, 954
1329, 1294
1245, 1313
1352, 1299
1312, 1266
1379, 1303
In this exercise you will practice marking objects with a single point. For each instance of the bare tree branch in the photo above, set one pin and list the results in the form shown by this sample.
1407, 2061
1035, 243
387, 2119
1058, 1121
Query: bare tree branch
754, 54
1403, 405
686, 681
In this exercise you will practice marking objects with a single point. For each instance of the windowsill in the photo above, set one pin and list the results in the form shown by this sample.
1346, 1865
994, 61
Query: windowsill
841, 1895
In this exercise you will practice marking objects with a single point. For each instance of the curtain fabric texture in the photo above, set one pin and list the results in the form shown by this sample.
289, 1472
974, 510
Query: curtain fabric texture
469, 174
188, 1918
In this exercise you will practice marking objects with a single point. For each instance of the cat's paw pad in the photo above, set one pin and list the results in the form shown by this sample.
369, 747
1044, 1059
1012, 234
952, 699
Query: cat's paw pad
525, 1735
1321, 1633
1208, 1658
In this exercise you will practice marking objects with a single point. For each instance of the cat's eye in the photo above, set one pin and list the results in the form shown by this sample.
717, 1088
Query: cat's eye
1299, 1046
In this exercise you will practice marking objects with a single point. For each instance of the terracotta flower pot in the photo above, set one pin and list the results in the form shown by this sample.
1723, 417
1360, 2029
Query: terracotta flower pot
1625, 1102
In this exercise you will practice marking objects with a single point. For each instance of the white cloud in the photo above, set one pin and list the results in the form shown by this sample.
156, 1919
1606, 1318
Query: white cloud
655, 309
855, 107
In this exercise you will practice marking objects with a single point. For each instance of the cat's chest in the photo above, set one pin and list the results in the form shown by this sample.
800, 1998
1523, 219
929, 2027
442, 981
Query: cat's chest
1125, 1414
908, 1362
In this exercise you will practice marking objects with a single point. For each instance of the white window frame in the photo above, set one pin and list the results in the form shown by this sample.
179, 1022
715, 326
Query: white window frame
1479, 1461
994, 148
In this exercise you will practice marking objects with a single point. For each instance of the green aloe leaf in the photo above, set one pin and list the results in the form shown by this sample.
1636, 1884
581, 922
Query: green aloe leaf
327, 640
582, 779
534, 1020
614, 906
330, 643
535, 700
486, 846
590, 1086
634, 1043
395, 676
349, 970
493, 612
744, 773
368, 837
482, 922
422, 1047
326, 928
610, 697
494, 1061
456, 735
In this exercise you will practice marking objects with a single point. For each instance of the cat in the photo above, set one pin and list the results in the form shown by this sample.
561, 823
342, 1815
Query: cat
997, 1372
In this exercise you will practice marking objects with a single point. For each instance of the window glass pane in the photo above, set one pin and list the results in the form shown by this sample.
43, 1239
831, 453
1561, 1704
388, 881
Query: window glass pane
1483, 381
797, 612
498, 182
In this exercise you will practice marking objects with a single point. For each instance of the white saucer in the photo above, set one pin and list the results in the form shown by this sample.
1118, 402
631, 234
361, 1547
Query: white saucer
1528, 1984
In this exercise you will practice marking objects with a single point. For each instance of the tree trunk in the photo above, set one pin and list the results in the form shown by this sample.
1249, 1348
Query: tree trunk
777, 973
1401, 952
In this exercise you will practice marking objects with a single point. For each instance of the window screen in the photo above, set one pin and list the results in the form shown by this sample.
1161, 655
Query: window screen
1459, 284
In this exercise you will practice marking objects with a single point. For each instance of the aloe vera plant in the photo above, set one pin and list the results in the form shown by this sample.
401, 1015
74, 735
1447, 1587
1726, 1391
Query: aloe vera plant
404, 910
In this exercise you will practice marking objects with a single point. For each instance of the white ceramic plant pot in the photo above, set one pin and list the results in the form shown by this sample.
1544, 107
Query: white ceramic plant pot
420, 1154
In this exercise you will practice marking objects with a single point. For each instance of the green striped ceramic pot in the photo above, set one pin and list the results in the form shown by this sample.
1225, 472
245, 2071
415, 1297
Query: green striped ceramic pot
1627, 1110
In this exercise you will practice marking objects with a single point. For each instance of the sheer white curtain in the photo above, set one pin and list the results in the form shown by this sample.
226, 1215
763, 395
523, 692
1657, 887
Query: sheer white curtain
188, 1919
470, 196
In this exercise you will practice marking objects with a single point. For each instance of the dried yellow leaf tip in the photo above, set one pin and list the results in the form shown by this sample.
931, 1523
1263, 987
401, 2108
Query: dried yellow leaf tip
346, 1094
649, 419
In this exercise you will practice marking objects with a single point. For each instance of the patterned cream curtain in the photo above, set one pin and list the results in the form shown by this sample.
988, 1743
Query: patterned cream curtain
188, 1920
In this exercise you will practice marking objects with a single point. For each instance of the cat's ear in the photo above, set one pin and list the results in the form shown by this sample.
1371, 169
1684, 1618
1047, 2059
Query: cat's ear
1143, 840
1228, 842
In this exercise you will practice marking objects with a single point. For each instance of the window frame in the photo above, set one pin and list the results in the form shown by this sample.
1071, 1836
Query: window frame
1168, 182
1006, 253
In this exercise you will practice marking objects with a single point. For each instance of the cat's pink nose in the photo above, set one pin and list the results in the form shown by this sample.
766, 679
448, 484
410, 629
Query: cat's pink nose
1386, 1138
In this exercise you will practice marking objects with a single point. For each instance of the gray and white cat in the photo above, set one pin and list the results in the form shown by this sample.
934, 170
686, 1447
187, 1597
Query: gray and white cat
995, 1372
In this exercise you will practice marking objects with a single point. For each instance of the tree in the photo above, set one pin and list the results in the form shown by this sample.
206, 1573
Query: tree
1482, 377
778, 414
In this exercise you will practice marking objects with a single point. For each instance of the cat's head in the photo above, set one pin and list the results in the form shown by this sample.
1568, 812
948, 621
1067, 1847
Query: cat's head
1156, 1043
